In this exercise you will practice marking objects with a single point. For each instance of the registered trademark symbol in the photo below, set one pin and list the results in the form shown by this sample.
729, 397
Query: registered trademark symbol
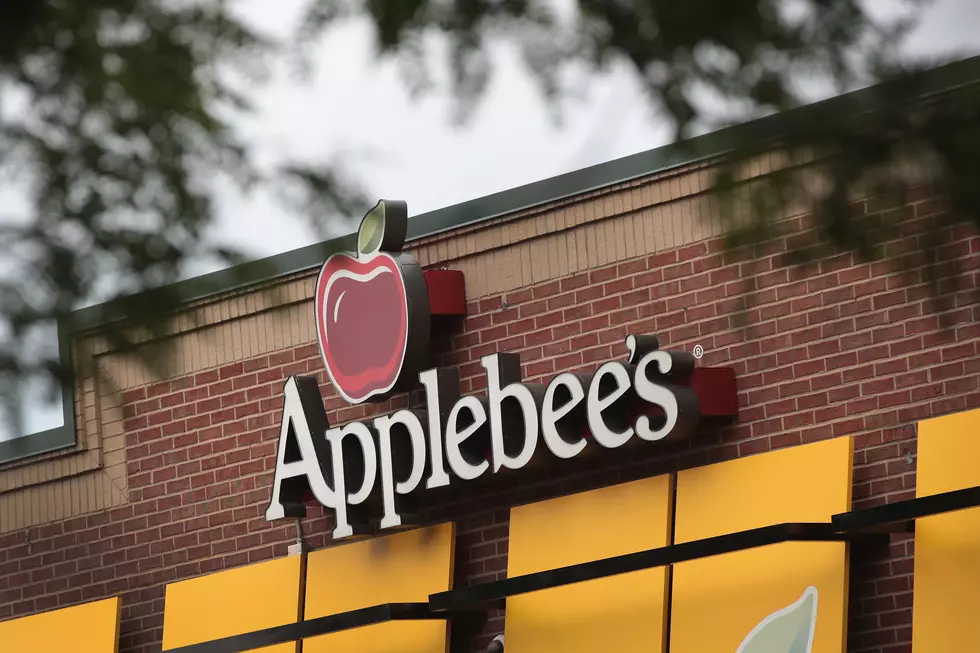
698, 351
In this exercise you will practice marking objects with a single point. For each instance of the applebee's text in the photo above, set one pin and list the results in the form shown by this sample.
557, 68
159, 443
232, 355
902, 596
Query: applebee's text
456, 438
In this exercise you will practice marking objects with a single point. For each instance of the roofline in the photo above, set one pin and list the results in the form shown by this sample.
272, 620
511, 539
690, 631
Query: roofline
929, 83
938, 80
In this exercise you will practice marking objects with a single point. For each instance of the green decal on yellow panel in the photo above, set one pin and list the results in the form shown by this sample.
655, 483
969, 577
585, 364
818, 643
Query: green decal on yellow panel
947, 546
402, 568
87, 628
623, 613
783, 598
789, 630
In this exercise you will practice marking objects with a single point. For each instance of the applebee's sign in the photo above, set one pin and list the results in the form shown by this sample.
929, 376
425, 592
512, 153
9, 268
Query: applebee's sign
372, 313
372, 310
448, 441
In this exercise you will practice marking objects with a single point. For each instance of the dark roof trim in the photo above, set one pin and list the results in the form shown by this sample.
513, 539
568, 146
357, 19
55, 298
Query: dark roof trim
936, 81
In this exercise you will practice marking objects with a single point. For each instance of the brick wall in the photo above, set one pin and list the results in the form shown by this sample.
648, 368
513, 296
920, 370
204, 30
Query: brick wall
841, 348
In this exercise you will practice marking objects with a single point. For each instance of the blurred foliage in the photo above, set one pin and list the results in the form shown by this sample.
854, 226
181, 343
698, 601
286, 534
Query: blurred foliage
854, 178
116, 117
708, 64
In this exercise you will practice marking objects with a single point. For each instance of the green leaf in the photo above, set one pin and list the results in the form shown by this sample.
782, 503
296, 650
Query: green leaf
372, 230
788, 630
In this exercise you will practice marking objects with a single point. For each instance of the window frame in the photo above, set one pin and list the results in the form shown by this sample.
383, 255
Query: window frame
58, 437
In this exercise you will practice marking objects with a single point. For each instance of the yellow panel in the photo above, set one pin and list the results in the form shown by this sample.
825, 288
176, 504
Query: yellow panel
947, 547
949, 448
404, 567
808, 483
789, 597
87, 628
234, 602
622, 613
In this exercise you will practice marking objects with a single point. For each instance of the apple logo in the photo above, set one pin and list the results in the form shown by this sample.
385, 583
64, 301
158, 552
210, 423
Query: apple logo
372, 310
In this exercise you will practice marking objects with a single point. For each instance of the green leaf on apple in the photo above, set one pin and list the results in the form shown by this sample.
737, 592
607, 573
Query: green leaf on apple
788, 630
372, 230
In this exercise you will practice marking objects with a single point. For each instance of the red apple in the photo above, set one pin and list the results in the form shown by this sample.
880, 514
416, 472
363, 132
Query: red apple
362, 323
372, 309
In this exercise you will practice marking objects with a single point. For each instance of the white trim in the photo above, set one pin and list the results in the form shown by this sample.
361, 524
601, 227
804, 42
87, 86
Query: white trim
347, 274
336, 308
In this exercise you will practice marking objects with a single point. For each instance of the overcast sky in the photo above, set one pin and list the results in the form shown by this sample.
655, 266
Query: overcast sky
409, 149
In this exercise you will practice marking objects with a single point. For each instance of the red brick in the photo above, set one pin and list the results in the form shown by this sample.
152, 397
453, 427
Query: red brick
921, 325
487, 305
159, 388
228, 371
134, 395
533, 308
547, 320
826, 351
724, 275
561, 301
885, 300
692, 251
571, 283
677, 271
959, 351
781, 407
844, 393
602, 274
873, 353
521, 296
636, 297
825, 348
503, 316
901, 398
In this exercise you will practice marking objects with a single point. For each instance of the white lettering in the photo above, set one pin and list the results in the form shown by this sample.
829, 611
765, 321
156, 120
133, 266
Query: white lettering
413, 427
523, 396
438, 477
336, 439
655, 394
454, 438
312, 457
595, 405
550, 415
306, 464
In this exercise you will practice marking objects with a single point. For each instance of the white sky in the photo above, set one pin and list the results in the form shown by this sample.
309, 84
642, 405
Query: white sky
409, 149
